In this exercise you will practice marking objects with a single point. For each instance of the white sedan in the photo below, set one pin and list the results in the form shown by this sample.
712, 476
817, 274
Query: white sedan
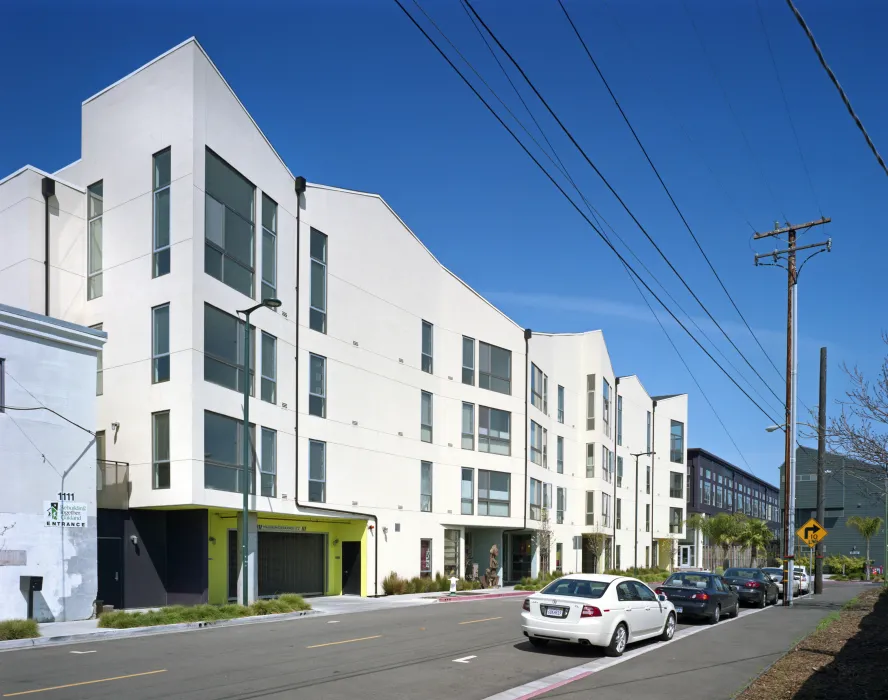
597, 610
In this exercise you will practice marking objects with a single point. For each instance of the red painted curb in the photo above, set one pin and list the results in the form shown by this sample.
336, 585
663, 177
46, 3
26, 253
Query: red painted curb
488, 596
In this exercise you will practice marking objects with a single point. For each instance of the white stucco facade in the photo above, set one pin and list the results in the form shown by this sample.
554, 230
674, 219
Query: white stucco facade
46, 459
381, 284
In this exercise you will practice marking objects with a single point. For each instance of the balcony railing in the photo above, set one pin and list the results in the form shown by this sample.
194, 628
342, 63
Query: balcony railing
112, 484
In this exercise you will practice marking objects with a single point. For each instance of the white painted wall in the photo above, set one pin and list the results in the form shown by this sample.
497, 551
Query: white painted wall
47, 363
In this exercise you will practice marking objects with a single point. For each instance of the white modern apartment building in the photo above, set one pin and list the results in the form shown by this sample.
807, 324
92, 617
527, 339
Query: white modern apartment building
398, 420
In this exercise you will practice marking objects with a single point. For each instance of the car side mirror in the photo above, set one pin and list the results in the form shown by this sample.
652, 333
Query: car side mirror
662, 598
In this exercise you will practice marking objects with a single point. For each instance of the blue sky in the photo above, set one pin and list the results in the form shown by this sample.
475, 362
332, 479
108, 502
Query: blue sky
352, 95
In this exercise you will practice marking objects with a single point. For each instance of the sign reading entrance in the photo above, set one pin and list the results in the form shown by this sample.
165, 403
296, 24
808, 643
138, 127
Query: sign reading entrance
282, 528
64, 514
812, 532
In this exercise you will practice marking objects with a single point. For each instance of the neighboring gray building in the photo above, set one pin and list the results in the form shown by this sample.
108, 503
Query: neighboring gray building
845, 494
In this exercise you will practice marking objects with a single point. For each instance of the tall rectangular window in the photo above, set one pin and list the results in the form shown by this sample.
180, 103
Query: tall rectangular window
427, 347
607, 464
647, 483
467, 491
425, 417
590, 508
317, 314
268, 464
228, 226
160, 259
493, 493
317, 471
317, 386
676, 485
425, 487
605, 510
468, 426
649, 435
495, 368
675, 518
618, 514
676, 442
224, 349
536, 443
95, 207
100, 366
560, 404
606, 406
160, 344
539, 386
707, 495
545, 448
559, 506
425, 558
468, 361
559, 457
647, 517
619, 419
269, 247
223, 453
590, 402
536, 499
617, 557
619, 471
590, 460
269, 368
545, 394
494, 431
160, 449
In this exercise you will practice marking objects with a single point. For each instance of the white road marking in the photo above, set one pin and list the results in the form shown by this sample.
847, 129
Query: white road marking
333, 622
84, 652
464, 660
556, 680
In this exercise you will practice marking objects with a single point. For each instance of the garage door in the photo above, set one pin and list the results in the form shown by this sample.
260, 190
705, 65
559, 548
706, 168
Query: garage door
291, 563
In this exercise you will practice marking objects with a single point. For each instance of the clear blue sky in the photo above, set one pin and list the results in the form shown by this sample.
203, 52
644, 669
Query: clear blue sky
352, 95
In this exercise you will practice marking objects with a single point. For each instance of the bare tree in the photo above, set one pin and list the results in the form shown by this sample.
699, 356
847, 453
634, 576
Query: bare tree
543, 541
594, 543
860, 432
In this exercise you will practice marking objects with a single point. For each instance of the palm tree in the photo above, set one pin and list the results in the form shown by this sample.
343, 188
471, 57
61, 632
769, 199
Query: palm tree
724, 530
755, 535
868, 528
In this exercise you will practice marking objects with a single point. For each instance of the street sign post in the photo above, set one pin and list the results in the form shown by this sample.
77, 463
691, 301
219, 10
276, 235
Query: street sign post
812, 532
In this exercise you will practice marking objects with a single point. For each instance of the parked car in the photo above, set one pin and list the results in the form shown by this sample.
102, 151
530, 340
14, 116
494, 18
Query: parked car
597, 610
776, 574
803, 580
754, 586
701, 594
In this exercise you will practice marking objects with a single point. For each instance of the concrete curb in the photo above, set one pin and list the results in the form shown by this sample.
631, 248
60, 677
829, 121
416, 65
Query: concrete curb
106, 634
485, 596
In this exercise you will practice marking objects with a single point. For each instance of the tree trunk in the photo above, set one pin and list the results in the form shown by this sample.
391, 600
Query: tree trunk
866, 564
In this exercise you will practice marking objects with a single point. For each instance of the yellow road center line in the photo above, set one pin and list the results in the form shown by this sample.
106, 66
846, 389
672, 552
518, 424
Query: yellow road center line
344, 641
74, 685
486, 619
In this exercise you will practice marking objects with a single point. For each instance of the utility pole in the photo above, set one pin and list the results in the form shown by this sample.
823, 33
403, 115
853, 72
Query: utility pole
821, 458
789, 462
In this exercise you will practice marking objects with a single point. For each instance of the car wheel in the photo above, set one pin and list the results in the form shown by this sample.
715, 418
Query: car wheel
764, 601
538, 643
716, 615
618, 642
669, 629
734, 611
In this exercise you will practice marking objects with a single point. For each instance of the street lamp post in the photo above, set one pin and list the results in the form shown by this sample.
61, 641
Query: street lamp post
245, 485
637, 499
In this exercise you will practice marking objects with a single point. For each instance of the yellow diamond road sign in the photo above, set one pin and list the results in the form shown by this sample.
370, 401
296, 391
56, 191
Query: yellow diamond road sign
812, 532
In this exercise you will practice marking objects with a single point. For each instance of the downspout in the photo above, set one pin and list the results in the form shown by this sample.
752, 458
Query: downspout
48, 189
300, 193
614, 504
653, 481
527, 336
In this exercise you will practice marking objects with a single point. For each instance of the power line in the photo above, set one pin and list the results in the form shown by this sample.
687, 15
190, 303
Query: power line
574, 205
835, 81
761, 16
619, 199
663, 183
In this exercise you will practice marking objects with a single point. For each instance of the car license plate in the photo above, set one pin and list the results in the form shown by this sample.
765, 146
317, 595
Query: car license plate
554, 612
678, 610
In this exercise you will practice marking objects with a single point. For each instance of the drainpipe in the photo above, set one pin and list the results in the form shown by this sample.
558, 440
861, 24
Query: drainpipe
300, 193
653, 462
528, 334
48, 188
614, 504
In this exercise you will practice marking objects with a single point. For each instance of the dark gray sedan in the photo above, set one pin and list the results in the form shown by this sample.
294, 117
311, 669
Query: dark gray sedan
754, 586
700, 594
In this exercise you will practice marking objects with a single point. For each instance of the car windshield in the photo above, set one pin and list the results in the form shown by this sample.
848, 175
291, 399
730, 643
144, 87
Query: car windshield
743, 573
688, 580
576, 587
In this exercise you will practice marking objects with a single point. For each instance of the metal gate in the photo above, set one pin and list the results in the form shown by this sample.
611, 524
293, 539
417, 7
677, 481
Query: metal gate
292, 563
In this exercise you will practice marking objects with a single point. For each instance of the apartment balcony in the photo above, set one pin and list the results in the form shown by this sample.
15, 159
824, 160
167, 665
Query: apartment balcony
112, 484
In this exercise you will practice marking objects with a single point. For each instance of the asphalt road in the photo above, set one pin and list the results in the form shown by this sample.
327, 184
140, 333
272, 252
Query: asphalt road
417, 652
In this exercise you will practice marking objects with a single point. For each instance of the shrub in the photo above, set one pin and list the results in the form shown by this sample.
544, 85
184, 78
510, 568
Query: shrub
394, 584
18, 629
175, 614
